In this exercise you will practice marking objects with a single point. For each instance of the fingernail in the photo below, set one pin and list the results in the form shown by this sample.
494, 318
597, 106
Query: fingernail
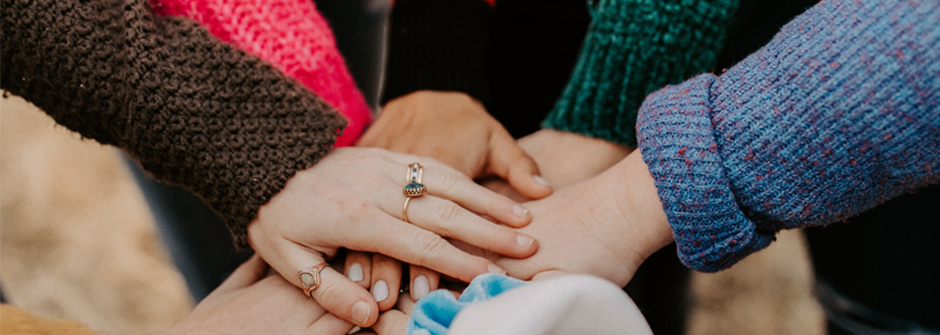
355, 272
422, 331
420, 288
519, 210
380, 291
495, 269
541, 180
524, 240
361, 312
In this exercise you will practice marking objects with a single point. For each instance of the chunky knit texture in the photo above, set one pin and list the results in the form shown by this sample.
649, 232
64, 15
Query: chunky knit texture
632, 48
840, 112
192, 110
437, 45
293, 36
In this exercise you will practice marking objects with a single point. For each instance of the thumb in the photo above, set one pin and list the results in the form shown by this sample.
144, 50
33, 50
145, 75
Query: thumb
509, 162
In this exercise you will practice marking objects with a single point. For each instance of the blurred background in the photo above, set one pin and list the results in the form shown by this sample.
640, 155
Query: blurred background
77, 241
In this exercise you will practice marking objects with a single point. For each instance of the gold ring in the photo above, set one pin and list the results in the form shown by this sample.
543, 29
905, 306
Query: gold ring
310, 278
414, 188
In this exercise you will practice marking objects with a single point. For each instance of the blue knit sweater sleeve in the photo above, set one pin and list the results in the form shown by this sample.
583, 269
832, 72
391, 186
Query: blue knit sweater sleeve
840, 112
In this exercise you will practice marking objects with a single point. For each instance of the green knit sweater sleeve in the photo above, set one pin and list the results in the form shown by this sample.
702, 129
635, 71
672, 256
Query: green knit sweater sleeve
632, 48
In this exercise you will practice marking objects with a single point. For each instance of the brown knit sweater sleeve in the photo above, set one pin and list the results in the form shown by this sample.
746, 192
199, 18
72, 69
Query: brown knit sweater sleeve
192, 110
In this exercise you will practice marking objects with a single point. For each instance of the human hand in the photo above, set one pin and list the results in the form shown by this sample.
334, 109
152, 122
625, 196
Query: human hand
249, 303
604, 226
352, 198
382, 275
455, 129
564, 158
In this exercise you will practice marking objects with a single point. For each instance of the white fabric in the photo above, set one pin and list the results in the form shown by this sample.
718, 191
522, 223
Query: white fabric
569, 304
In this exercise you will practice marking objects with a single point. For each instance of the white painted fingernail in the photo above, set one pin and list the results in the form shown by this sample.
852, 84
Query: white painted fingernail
519, 210
541, 180
421, 287
380, 291
361, 312
355, 329
355, 272
495, 269
524, 240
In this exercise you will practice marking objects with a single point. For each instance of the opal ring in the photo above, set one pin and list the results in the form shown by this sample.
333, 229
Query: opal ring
310, 278
414, 188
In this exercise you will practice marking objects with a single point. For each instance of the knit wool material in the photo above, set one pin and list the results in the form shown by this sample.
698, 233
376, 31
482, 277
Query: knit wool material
840, 112
192, 110
632, 48
292, 35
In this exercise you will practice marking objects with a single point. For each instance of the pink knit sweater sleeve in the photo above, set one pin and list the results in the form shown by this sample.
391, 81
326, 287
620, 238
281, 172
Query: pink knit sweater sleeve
292, 35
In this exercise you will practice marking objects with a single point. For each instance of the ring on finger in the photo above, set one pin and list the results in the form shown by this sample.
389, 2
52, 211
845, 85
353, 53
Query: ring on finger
414, 188
310, 278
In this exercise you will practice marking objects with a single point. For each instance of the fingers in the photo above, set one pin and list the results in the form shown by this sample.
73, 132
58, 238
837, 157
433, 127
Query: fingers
394, 322
246, 274
548, 274
386, 280
509, 162
445, 182
359, 268
411, 244
422, 280
330, 324
447, 219
336, 293
405, 304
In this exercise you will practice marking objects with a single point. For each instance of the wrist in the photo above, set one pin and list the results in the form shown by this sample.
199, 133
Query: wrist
641, 207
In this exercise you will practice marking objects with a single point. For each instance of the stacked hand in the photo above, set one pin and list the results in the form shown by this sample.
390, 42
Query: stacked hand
456, 130
353, 199
604, 226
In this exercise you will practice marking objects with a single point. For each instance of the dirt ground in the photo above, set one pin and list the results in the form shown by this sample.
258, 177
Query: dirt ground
77, 242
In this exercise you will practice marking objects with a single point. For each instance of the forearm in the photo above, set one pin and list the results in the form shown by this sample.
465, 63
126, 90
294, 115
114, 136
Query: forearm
292, 36
632, 48
186, 106
837, 114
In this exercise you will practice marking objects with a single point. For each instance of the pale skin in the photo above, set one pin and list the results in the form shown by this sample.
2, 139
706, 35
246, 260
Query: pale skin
250, 302
352, 199
566, 159
456, 130
615, 217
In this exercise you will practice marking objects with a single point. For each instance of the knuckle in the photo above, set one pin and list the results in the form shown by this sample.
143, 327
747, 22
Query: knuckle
331, 295
448, 181
447, 214
428, 243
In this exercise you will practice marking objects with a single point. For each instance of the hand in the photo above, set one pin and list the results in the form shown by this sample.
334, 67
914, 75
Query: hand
604, 226
564, 158
456, 130
353, 199
382, 275
247, 304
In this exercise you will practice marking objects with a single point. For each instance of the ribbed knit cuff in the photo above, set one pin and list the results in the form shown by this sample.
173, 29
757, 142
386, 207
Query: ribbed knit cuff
633, 48
437, 45
678, 144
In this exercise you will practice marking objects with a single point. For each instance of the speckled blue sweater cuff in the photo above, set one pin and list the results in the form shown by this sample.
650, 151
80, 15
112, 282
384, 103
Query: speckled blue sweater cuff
711, 231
